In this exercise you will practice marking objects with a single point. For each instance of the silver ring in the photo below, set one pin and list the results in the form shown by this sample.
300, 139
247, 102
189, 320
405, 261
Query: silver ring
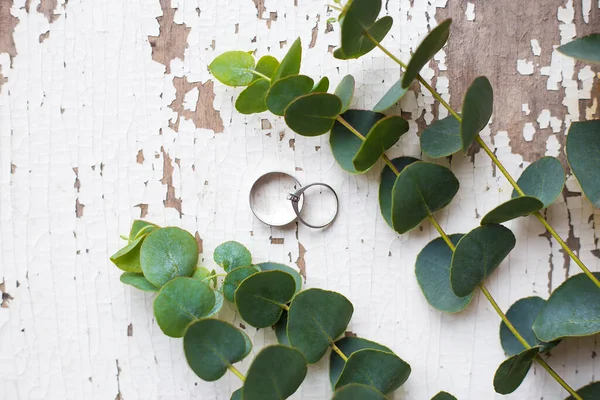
297, 196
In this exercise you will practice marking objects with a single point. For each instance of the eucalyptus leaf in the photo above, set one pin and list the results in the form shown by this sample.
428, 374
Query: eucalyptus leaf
128, 258
271, 266
391, 97
442, 138
477, 255
435, 40
237, 395
544, 179
233, 280
420, 190
511, 372
589, 392
348, 346
281, 329
267, 65
359, 25
275, 374
260, 297
345, 91
345, 144
386, 186
511, 209
252, 100
211, 346
286, 90
141, 227
583, 154
477, 110
586, 48
219, 299
230, 255
571, 311
322, 86
433, 275
443, 396
290, 65
316, 318
168, 253
357, 391
137, 280
313, 114
181, 301
383, 135
205, 275
233, 68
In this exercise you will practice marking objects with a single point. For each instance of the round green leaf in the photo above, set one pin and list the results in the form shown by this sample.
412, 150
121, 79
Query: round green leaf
260, 297
358, 24
433, 275
252, 100
286, 90
586, 48
511, 372
443, 396
544, 180
211, 346
322, 86
275, 374
392, 97
313, 114
205, 275
219, 299
267, 65
271, 266
356, 391
180, 302
345, 91
477, 255
386, 186
428, 48
477, 110
315, 319
128, 258
168, 253
281, 329
348, 346
420, 190
141, 227
589, 392
231, 255
522, 315
383, 135
138, 281
233, 68
290, 65
384, 371
583, 154
237, 395
442, 138
513, 208
233, 280
571, 311
345, 144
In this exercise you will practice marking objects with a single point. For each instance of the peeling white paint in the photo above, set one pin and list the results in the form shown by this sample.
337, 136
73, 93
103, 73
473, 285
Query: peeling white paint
528, 131
525, 108
525, 67
470, 11
536, 49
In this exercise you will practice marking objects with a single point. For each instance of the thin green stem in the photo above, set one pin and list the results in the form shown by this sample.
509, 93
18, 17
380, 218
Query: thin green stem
496, 161
255, 72
213, 276
350, 127
558, 379
339, 352
442, 233
124, 237
335, 7
285, 307
237, 373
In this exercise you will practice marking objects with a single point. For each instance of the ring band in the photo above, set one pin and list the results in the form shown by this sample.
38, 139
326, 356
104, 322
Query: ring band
295, 199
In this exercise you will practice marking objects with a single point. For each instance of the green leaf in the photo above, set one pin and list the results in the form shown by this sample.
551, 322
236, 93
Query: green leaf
313, 114
345, 91
322, 86
271, 266
219, 299
571, 311
356, 391
511, 209
180, 302
128, 258
378, 31
267, 65
233, 68
281, 329
252, 100
286, 90
315, 319
290, 65
443, 396
348, 346
360, 22
433, 275
420, 190
544, 180
589, 392
511, 372
168, 253
392, 97
233, 280
583, 154
386, 186
442, 138
522, 315
211, 346
237, 395
137, 280
383, 135
344, 144
231, 255
477, 255
140, 226
477, 110
586, 48
275, 374
260, 297
435, 40
205, 275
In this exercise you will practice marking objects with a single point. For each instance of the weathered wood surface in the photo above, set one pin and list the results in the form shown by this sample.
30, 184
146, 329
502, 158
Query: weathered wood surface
108, 113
